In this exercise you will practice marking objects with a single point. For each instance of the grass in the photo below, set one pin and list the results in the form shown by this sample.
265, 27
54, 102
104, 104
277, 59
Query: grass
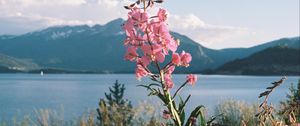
145, 114
236, 113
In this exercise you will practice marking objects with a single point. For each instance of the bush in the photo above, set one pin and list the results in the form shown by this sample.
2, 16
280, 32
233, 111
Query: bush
290, 108
236, 113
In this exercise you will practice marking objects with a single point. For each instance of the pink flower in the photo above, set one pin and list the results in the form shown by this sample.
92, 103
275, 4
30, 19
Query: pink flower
186, 58
133, 37
183, 59
160, 57
162, 16
129, 29
168, 81
145, 61
176, 59
131, 54
140, 17
159, 33
140, 72
147, 50
172, 45
155, 53
191, 79
170, 70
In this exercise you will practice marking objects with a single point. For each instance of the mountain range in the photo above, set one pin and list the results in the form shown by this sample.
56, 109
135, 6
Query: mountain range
279, 60
99, 49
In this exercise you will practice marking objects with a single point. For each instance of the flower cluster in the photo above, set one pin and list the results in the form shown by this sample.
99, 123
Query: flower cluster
148, 40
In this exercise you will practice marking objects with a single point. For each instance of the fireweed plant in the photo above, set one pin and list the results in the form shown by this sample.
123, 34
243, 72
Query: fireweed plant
148, 43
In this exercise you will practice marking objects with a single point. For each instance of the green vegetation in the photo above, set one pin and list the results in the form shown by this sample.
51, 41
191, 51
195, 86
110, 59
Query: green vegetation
115, 107
236, 113
290, 108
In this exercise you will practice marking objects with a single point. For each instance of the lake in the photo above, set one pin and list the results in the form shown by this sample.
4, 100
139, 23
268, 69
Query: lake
76, 93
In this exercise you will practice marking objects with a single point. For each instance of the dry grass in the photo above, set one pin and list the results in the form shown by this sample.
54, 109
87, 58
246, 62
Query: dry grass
236, 113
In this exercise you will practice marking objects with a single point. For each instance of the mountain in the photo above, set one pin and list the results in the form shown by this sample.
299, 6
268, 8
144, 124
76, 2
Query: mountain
234, 53
8, 70
71, 48
100, 49
15, 64
280, 60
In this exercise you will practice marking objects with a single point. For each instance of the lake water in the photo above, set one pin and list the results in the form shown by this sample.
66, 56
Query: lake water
76, 93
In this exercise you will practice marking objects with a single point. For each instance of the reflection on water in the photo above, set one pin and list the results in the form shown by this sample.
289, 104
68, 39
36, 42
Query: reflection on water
77, 93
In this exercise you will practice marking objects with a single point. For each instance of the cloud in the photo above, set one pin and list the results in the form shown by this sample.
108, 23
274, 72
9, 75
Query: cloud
45, 13
206, 34
21, 16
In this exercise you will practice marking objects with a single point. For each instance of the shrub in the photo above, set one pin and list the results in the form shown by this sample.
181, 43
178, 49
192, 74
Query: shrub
236, 113
290, 108
115, 110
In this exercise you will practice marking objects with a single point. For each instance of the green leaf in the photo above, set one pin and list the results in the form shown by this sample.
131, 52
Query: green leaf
202, 120
182, 105
153, 84
161, 97
155, 92
195, 113
209, 122
145, 86
182, 117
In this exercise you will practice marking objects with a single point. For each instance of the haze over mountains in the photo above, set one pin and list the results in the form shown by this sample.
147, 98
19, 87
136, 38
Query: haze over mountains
100, 49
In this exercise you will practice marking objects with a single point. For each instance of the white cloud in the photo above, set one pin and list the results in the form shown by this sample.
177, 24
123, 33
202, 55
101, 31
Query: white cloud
206, 34
2, 2
20, 16
25, 13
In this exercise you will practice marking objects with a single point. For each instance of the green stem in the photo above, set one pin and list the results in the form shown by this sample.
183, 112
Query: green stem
170, 105
179, 89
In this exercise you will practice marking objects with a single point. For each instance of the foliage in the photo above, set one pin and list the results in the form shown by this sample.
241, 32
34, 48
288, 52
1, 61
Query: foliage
236, 113
290, 108
115, 110
48, 117
266, 111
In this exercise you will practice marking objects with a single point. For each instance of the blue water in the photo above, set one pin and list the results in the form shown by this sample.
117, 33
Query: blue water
76, 93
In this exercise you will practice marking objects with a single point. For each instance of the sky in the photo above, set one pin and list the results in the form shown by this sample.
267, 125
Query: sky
215, 24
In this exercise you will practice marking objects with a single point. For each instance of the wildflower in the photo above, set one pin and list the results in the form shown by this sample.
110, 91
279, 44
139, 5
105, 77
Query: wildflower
140, 72
145, 61
176, 60
186, 58
139, 17
131, 54
162, 16
148, 40
154, 51
170, 70
168, 81
191, 79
